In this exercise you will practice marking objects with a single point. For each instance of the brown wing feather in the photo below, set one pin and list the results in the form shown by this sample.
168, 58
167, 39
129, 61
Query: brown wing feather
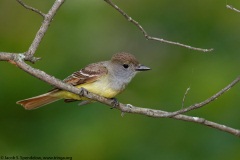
88, 74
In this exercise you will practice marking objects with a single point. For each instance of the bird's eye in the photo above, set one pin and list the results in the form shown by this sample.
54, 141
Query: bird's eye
125, 65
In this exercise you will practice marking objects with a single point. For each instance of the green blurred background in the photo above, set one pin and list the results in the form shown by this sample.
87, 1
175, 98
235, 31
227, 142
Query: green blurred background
89, 31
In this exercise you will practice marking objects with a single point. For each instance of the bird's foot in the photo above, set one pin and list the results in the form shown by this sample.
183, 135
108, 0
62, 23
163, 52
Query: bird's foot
83, 92
114, 103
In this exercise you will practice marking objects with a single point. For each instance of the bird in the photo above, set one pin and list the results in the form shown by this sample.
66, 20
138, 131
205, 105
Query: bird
105, 78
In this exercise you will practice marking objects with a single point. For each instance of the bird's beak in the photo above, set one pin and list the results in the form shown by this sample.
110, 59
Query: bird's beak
141, 67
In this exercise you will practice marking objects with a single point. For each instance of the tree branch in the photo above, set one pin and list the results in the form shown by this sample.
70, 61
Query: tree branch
126, 108
184, 96
150, 37
31, 8
207, 101
232, 8
41, 32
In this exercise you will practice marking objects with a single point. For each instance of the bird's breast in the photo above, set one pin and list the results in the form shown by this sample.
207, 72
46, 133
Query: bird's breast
103, 87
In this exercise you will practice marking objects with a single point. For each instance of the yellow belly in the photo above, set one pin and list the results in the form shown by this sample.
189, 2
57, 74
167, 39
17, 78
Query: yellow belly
99, 87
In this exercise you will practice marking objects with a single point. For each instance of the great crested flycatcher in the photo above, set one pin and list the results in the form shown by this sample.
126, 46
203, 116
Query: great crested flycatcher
106, 78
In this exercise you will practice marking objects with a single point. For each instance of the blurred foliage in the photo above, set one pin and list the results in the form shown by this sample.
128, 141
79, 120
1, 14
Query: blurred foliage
89, 31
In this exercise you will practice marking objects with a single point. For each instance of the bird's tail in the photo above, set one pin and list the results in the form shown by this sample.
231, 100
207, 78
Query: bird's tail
38, 101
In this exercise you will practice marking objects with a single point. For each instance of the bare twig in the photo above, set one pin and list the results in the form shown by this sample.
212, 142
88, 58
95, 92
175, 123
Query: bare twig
185, 94
43, 29
201, 104
232, 8
150, 37
159, 113
31, 8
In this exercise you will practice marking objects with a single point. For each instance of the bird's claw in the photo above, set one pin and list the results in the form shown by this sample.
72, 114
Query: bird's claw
83, 92
114, 103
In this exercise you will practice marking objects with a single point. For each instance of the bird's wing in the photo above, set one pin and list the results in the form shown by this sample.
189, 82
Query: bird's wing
89, 74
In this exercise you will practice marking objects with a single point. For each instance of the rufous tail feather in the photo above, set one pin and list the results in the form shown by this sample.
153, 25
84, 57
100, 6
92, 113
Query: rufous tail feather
38, 101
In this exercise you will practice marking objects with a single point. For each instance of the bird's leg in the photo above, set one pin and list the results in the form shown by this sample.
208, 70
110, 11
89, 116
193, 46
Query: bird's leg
114, 103
83, 92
